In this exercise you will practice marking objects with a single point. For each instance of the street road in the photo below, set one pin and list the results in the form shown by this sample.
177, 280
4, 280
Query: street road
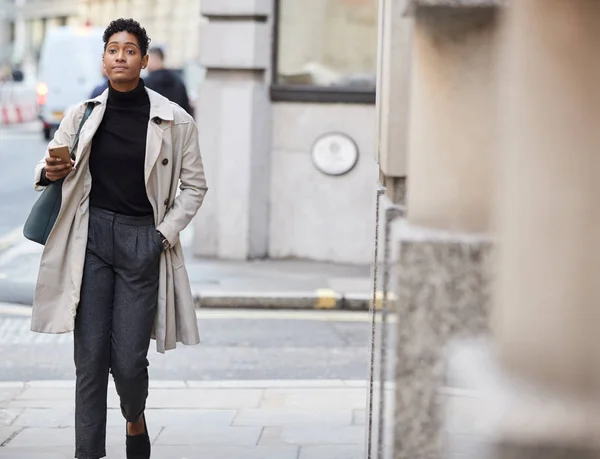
21, 147
236, 345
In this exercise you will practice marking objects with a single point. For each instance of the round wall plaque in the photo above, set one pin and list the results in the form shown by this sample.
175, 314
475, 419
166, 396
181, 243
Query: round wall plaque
334, 154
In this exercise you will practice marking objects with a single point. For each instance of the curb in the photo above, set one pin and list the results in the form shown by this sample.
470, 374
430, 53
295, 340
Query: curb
323, 299
16, 293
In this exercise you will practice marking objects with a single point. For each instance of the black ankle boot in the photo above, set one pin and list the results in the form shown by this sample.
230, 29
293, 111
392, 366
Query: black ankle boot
138, 446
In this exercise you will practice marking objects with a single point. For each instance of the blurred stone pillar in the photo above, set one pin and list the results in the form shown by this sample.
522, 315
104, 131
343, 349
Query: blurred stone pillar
443, 262
452, 117
6, 14
21, 42
548, 294
233, 114
5, 44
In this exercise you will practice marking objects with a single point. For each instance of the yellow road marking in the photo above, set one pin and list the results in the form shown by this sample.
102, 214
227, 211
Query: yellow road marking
379, 300
327, 299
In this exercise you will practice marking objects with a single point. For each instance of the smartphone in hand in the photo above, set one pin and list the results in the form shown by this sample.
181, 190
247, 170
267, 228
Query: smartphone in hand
62, 152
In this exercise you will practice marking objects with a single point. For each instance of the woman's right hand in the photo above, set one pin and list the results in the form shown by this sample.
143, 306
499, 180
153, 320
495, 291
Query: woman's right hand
57, 169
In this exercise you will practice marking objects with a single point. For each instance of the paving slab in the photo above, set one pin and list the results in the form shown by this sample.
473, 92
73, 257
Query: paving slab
224, 452
46, 393
332, 452
314, 399
188, 417
8, 416
44, 404
9, 393
287, 417
202, 398
7, 432
45, 417
189, 420
313, 435
269, 384
35, 453
160, 452
210, 435
44, 437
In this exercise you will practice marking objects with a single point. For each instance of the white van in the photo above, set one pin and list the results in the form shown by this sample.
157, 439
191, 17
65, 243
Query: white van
69, 69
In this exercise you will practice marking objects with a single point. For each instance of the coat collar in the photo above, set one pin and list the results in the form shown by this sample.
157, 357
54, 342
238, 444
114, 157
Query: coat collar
160, 107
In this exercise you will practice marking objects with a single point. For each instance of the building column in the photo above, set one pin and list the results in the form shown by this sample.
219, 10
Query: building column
451, 132
6, 13
21, 39
444, 248
393, 94
547, 306
233, 115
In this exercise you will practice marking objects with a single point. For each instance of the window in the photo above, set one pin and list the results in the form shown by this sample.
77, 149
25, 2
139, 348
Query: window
325, 51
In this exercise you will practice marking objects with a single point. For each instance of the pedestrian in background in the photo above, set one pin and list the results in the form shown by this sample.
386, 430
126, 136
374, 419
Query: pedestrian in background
165, 81
101, 87
112, 269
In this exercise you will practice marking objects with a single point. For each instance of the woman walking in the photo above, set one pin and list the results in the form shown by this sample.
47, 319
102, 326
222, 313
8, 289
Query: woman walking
112, 269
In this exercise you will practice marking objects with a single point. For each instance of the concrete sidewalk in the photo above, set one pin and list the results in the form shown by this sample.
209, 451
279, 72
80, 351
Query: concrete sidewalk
189, 420
287, 284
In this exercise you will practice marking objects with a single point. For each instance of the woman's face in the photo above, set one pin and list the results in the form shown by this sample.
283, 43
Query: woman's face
122, 58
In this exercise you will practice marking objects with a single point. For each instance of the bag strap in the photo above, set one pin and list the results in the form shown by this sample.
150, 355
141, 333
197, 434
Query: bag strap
88, 111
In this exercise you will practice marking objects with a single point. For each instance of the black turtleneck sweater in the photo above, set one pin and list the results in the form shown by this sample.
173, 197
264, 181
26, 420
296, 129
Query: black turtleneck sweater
118, 154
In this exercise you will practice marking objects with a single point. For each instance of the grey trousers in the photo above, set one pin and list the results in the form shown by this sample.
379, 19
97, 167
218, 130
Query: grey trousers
114, 323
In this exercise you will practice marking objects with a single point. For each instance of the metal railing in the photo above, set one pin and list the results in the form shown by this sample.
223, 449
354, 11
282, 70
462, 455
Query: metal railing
392, 213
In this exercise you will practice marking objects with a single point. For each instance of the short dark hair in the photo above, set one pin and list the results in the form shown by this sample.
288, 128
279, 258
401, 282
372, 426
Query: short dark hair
131, 26
157, 52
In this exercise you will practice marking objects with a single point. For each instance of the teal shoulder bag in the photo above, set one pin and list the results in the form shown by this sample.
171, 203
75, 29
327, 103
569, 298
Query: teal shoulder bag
44, 212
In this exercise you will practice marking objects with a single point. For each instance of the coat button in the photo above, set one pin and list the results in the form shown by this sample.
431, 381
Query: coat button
157, 120
165, 162
166, 202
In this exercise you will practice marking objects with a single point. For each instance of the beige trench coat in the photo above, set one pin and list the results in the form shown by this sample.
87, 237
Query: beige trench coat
172, 159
